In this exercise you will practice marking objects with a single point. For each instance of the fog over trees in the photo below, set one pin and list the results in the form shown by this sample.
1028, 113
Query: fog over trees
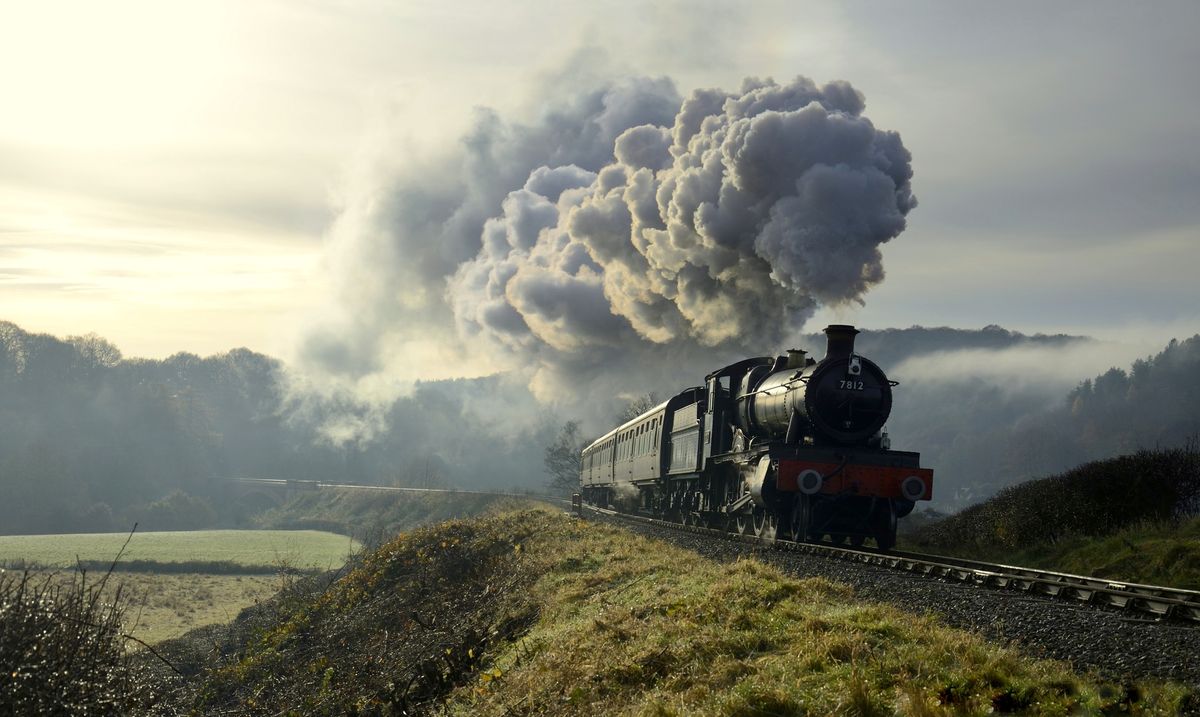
93, 441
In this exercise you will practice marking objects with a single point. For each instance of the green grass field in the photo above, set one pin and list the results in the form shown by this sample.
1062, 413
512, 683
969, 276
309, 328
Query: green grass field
291, 548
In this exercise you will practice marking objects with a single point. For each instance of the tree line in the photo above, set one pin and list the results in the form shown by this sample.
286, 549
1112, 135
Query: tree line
92, 441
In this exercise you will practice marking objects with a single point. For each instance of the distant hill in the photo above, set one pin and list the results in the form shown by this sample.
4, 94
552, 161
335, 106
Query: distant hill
1156, 403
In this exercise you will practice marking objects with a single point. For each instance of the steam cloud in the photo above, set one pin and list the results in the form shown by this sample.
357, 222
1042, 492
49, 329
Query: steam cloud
725, 229
626, 237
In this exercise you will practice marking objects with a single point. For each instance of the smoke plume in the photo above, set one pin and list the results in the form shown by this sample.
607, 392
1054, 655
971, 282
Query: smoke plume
624, 241
723, 230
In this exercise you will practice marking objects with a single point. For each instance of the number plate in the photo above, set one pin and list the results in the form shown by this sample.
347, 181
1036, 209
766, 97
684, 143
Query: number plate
851, 385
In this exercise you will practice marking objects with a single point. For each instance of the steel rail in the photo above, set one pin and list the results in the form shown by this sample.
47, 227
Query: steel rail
323, 485
1157, 601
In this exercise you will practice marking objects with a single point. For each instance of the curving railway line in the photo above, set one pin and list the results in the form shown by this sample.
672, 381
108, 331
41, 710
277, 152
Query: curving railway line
1149, 601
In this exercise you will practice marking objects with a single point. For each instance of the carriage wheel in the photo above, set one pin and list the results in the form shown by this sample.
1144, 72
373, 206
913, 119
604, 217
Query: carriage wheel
703, 510
800, 529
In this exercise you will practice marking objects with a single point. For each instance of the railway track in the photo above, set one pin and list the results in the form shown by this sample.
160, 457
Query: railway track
1152, 601
304, 485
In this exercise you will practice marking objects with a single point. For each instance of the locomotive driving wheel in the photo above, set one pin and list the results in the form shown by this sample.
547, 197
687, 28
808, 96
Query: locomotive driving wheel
885, 527
766, 524
760, 521
742, 523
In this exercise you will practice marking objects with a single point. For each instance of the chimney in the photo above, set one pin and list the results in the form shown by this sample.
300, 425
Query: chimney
841, 341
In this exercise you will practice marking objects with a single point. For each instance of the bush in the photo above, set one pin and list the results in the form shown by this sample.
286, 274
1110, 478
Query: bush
62, 650
1095, 499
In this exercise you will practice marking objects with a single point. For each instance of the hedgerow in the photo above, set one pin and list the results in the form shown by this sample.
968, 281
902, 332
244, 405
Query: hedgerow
1095, 499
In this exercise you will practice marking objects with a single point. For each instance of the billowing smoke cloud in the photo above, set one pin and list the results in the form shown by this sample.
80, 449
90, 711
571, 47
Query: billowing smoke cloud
629, 240
723, 230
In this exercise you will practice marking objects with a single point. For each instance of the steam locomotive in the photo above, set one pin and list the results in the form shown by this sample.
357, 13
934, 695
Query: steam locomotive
779, 447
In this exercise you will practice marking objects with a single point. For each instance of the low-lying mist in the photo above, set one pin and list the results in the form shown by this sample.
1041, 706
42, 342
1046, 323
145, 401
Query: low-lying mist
91, 441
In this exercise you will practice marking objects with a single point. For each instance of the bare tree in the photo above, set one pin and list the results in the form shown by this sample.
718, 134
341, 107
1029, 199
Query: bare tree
562, 459
637, 406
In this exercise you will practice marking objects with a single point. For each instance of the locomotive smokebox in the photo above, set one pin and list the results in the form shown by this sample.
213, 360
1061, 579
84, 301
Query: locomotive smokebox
840, 342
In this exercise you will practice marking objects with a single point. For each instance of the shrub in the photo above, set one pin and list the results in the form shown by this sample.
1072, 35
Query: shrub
62, 650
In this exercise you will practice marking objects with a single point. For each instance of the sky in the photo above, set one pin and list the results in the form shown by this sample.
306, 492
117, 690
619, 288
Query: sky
175, 175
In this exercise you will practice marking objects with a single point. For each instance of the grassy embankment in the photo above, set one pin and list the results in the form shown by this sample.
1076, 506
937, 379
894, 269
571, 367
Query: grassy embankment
1132, 518
175, 581
538, 613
